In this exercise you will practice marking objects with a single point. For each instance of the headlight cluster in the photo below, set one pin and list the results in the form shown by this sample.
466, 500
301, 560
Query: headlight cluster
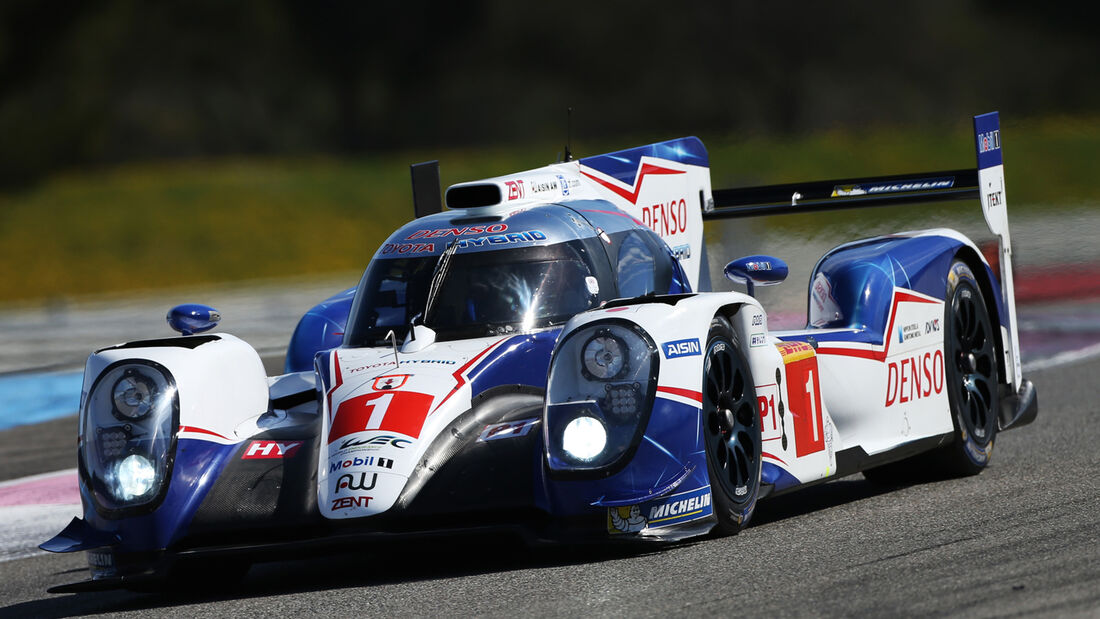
599, 393
128, 435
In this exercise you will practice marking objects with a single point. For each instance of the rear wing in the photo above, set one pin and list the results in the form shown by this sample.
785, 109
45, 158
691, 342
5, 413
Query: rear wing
986, 182
844, 193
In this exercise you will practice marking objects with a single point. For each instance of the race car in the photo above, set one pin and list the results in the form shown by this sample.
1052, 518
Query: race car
545, 357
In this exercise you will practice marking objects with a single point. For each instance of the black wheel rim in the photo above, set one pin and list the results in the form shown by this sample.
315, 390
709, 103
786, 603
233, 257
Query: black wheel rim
731, 423
972, 362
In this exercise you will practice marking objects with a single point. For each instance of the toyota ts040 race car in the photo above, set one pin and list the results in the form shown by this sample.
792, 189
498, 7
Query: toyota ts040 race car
545, 356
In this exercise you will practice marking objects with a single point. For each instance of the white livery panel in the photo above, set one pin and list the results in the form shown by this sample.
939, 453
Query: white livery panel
885, 395
381, 413
221, 383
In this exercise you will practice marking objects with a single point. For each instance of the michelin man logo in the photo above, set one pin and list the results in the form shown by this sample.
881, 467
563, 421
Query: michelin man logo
625, 519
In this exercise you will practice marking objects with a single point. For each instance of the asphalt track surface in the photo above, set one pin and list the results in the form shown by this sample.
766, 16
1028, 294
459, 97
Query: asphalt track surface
1022, 538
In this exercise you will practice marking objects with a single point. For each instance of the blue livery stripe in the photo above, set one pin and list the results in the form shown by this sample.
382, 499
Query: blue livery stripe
778, 478
522, 360
623, 165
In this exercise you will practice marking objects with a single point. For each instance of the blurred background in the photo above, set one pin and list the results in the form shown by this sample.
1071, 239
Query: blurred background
87, 83
188, 151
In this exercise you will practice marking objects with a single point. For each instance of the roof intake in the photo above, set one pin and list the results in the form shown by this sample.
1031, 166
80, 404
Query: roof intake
474, 195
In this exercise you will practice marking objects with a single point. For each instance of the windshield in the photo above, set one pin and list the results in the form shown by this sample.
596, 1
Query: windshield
483, 293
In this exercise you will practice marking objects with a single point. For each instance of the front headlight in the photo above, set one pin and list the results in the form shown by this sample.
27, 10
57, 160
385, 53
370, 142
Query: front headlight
584, 438
128, 433
599, 393
134, 477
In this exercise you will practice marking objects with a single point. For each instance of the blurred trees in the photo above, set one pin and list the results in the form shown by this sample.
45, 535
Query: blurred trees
84, 82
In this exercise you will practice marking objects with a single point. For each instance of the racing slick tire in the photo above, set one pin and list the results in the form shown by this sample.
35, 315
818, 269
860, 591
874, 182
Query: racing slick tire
972, 378
731, 429
970, 355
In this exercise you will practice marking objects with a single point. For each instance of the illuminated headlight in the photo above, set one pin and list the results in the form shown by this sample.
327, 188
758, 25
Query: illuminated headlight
584, 438
126, 465
599, 393
134, 477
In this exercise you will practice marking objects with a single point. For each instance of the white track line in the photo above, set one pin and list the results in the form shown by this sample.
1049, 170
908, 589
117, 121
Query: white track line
23, 480
1064, 358
24, 527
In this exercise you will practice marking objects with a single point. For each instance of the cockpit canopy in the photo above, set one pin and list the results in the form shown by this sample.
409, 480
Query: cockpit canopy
531, 269
483, 293
528, 269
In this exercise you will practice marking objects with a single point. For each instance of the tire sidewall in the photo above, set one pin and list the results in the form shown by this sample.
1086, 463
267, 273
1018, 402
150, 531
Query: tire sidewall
733, 513
961, 282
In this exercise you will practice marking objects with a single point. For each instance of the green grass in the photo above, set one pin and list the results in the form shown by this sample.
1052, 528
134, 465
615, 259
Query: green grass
154, 225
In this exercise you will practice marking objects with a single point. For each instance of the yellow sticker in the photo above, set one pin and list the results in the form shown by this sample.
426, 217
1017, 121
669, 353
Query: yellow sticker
795, 351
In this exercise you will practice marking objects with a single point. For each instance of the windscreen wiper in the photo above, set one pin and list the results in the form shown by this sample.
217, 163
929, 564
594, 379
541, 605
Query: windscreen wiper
442, 267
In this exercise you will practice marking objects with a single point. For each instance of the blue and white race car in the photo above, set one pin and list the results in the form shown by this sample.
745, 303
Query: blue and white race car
544, 357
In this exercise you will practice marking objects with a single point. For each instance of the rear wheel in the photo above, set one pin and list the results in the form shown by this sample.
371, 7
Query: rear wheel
970, 360
731, 429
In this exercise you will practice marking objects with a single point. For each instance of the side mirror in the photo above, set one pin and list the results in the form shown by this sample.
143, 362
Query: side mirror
192, 318
756, 271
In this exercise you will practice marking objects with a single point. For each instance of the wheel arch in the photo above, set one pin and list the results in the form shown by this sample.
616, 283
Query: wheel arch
730, 310
987, 285
734, 313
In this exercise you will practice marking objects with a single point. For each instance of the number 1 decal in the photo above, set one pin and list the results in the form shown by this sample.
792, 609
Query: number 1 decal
377, 410
388, 411
804, 397
814, 415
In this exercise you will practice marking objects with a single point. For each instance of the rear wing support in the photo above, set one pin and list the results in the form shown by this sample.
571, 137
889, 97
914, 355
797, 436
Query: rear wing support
986, 183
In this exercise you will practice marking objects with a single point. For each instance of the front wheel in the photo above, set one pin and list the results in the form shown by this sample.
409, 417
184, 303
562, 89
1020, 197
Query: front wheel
731, 429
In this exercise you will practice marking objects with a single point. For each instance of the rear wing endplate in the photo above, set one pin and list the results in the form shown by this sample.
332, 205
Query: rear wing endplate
986, 182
